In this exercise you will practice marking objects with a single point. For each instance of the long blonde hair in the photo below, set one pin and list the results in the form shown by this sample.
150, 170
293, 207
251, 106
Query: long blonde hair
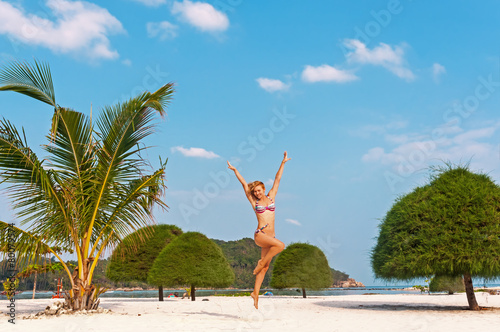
252, 185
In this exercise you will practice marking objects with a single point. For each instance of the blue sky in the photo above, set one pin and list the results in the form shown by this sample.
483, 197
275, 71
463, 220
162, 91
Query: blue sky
364, 96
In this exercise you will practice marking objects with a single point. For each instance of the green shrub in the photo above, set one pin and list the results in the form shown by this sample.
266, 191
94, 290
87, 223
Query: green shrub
447, 284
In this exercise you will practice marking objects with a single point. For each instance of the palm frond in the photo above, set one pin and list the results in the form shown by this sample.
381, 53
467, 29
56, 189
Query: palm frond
133, 210
122, 129
73, 156
33, 81
161, 98
27, 247
30, 183
36, 193
71, 147
47, 266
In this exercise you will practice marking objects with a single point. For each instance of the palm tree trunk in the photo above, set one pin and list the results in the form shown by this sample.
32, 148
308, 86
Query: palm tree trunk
160, 293
469, 290
84, 297
192, 293
34, 286
304, 293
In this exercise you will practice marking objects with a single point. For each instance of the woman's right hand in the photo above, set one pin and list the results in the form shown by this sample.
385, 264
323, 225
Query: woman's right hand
231, 167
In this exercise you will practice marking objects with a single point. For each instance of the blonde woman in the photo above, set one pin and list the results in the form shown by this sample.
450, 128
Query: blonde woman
264, 236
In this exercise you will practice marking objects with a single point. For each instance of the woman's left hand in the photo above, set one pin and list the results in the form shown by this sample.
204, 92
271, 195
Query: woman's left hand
285, 159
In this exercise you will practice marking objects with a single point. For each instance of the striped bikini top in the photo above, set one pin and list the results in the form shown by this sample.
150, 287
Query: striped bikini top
262, 208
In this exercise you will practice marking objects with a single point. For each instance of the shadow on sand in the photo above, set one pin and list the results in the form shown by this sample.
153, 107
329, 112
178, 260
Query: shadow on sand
396, 306
211, 314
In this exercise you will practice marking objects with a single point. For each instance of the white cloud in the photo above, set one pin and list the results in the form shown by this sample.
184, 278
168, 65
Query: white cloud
437, 71
163, 30
272, 85
326, 73
453, 144
152, 3
127, 62
473, 135
79, 27
195, 152
449, 129
293, 221
383, 55
374, 154
201, 15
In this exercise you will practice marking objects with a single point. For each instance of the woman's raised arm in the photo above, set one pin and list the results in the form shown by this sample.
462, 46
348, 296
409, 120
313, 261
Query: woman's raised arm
276, 184
240, 178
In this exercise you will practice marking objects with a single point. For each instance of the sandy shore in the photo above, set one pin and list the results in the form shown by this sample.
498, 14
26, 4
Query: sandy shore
364, 313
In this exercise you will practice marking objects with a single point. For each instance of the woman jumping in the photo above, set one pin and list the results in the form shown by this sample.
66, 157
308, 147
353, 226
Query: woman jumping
264, 235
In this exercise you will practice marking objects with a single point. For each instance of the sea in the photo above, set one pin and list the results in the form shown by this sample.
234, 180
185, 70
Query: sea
272, 292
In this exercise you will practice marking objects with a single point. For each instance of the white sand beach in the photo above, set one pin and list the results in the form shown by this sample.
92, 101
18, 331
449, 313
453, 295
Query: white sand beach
405, 312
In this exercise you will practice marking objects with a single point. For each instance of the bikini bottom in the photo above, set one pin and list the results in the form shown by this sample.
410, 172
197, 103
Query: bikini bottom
261, 229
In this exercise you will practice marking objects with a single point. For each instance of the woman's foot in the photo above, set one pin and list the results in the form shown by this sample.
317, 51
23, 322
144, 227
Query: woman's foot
259, 267
255, 300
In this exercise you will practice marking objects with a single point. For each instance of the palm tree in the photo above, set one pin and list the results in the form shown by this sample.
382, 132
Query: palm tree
92, 190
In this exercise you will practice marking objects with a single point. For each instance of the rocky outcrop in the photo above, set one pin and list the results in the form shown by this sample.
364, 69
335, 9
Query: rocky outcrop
350, 282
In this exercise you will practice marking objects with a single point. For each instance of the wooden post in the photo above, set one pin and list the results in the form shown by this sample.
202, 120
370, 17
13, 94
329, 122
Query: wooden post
34, 286
160, 293
304, 293
192, 293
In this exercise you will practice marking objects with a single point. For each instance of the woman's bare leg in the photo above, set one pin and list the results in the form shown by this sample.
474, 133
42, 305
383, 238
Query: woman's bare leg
259, 279
275, 247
